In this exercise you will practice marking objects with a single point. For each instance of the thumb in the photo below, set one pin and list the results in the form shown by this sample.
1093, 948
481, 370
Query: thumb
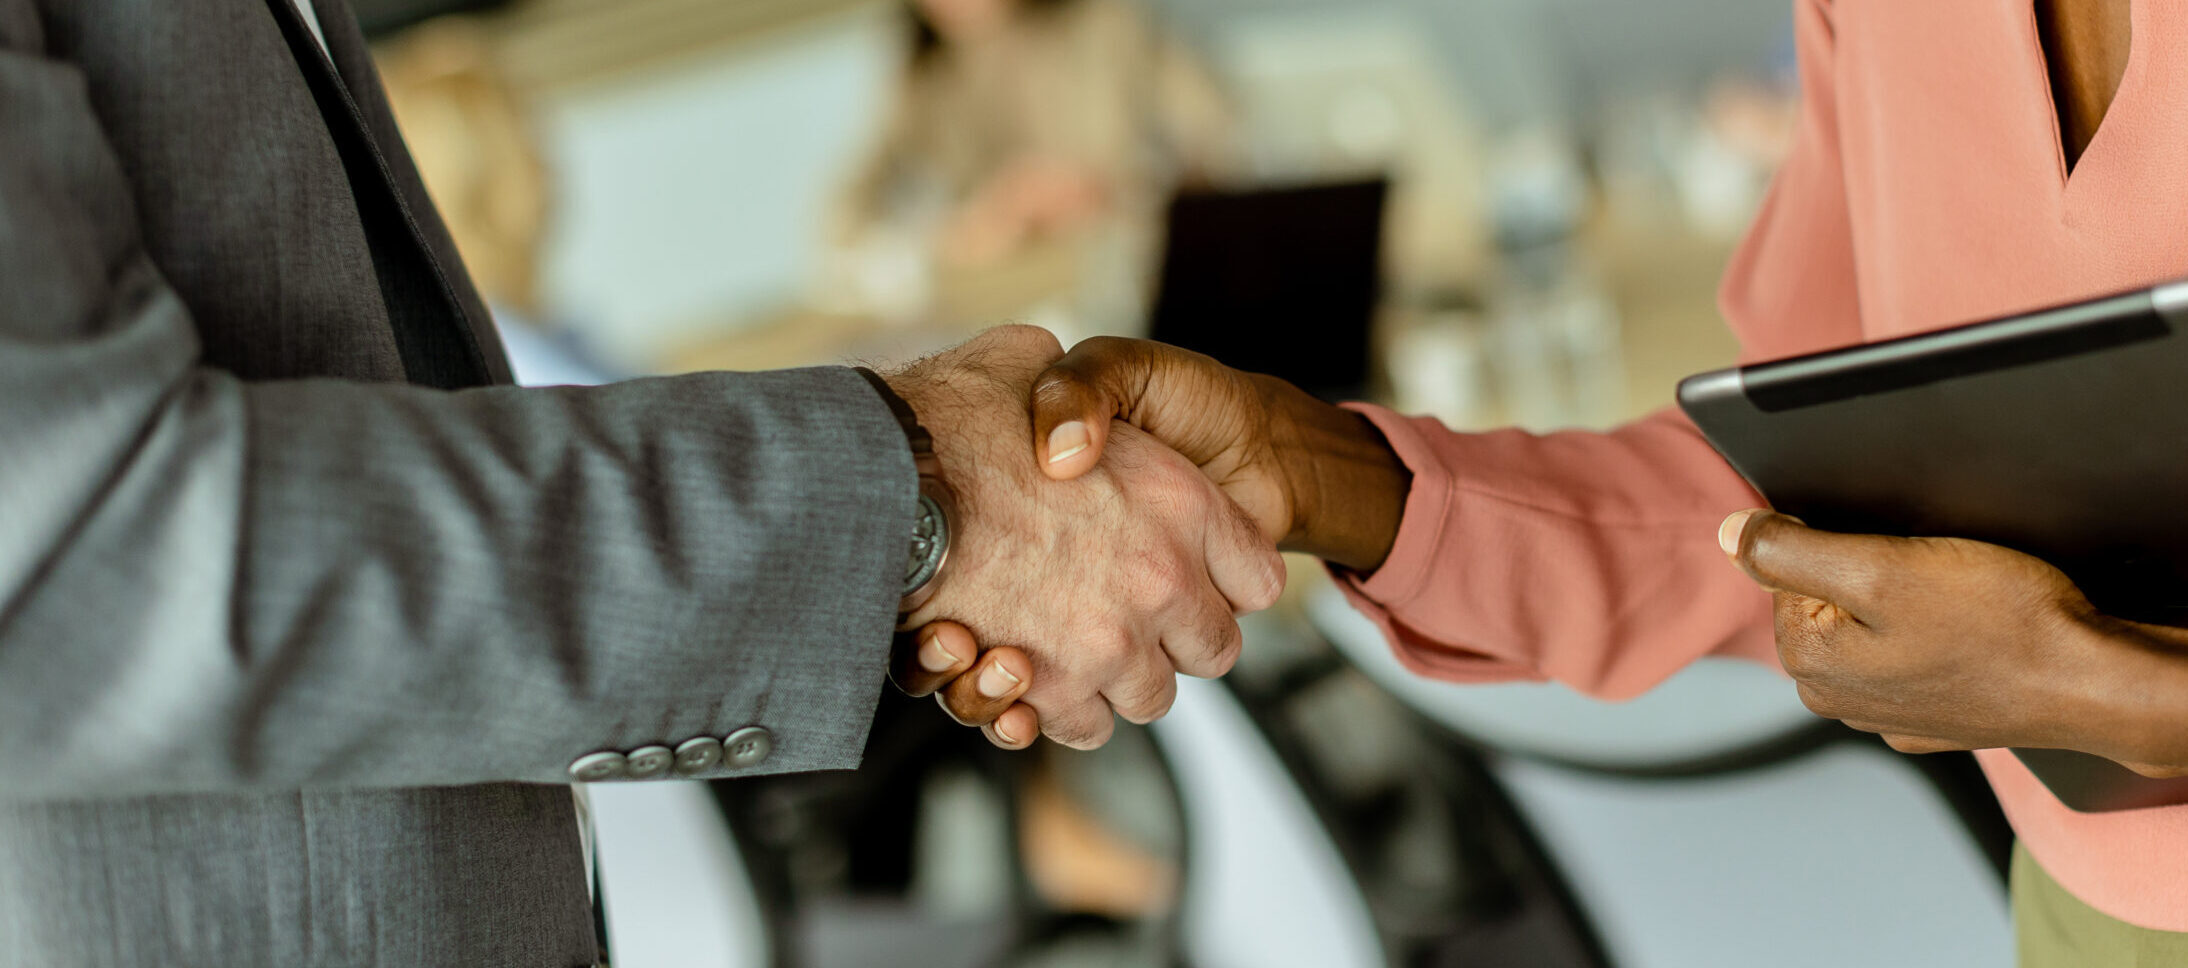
1783, 554
1074, 399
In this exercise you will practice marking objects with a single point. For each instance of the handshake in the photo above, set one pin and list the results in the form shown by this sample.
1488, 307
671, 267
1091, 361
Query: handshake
1119, 507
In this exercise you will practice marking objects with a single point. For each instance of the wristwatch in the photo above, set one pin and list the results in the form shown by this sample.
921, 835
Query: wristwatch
930, 540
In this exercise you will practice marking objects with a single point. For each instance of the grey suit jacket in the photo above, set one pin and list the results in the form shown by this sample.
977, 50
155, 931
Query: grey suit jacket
302, 618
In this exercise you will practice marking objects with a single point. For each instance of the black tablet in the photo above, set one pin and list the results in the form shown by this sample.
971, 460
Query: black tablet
2062, 433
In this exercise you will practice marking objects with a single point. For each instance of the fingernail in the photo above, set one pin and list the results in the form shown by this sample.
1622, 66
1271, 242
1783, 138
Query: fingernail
1728, 533
1067, 439
933, 655
1005, 733
996, 680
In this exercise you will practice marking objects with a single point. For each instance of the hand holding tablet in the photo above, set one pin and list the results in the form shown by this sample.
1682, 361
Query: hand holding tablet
2059, 435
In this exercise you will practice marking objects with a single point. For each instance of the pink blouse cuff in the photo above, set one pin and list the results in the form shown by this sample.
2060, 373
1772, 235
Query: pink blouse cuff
1421, 531
1406, 574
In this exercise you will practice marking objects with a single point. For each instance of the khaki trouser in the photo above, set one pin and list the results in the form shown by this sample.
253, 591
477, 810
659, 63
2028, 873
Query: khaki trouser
2055, 929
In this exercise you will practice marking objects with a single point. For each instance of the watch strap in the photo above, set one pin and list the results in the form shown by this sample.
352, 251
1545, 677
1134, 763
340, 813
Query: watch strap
931, 526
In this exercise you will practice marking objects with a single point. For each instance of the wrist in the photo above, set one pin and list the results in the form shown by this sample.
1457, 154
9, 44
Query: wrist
1347, 487
972, 456
935, 513
2144, 693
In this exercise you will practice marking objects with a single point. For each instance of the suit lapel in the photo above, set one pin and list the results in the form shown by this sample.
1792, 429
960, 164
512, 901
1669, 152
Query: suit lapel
442, 330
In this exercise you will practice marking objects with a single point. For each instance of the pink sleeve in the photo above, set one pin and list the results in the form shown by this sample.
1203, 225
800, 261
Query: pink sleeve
1587, 558
1591, 558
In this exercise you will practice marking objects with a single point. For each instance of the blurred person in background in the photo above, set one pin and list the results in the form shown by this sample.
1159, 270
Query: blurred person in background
1932, 181
1017, 121
480, 159
308, 620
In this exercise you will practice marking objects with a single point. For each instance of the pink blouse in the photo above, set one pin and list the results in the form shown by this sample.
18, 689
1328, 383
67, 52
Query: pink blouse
1927, 188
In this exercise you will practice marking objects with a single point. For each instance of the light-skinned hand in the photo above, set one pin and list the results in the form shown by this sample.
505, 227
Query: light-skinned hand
1111, 584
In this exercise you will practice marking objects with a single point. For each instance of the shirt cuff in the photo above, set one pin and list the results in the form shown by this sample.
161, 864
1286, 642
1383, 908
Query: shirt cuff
1420, 528
1406, 574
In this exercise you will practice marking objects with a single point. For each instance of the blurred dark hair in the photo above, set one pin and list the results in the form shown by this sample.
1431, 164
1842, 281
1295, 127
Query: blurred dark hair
928, 43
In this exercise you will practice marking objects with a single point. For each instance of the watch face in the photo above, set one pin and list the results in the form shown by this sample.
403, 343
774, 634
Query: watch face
930, 541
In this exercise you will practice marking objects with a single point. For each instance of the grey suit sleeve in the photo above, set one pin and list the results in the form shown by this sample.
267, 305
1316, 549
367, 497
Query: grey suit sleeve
212, 584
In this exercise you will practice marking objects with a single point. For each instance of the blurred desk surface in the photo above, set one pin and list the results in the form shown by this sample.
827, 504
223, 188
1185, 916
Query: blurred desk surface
1036, 285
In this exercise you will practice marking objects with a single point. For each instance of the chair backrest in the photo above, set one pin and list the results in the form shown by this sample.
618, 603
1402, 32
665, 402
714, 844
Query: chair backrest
1276, 280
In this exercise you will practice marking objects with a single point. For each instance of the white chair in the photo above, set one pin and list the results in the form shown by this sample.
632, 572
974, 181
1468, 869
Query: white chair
1839, 856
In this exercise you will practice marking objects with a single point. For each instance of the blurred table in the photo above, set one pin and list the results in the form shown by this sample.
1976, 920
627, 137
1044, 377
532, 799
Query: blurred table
1034, 286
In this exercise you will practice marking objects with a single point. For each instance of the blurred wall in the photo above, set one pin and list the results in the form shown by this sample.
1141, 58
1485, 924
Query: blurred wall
1527, 61
693, 193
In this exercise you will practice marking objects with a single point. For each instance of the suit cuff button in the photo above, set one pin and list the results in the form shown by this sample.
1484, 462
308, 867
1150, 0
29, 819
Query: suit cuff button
695, 756
648, 762
748, 746
599, 767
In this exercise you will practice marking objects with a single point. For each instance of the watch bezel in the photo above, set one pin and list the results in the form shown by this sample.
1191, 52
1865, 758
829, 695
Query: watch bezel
936, 493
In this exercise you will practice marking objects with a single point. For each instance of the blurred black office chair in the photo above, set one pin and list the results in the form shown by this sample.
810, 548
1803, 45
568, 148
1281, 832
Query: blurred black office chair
1282, 281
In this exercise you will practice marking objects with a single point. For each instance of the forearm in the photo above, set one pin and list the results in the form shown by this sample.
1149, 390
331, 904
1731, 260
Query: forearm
321, 583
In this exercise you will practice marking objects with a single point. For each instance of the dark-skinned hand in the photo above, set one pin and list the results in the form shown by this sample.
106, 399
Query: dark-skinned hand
1948, 644
975, 688
1315, 477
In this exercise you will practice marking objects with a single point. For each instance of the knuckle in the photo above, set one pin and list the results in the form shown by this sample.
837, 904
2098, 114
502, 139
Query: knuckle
1223, 661
1145, 698
1152, 705
1029, 336
1162, 580
1090, 735
1805, 646
1797, 653
1112, 648
1799, 662
1079, 723
1820, 702
1225, 642
1221, 636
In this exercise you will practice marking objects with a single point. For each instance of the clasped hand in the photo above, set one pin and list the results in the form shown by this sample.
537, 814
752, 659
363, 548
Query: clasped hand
1093, 594
1934, 643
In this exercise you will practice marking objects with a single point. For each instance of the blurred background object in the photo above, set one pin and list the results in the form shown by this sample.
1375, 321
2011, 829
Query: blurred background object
1016, 123
472, 137
1494, 211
